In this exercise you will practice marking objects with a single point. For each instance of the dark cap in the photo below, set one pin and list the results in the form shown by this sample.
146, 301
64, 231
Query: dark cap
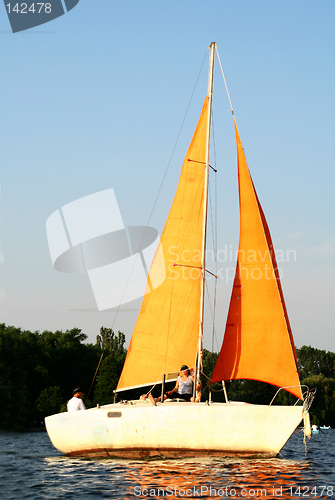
184, 367
76, 389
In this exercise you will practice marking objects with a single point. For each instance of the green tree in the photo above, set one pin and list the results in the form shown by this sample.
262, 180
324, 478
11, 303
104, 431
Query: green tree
31, 362
17, 358
114, 355
313, 361
67, 361
317, 370
110, 343
50, 401
323, 408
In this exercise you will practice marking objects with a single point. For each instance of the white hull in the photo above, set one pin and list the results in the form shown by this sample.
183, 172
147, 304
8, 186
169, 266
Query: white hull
174, 429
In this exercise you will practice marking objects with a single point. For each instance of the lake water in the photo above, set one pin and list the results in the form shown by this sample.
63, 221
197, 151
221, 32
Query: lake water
31, 468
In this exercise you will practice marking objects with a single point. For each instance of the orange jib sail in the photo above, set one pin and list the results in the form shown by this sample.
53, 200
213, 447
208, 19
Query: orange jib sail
258, 342
166, 332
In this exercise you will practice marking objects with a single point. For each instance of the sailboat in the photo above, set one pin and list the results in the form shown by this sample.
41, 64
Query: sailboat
258, 342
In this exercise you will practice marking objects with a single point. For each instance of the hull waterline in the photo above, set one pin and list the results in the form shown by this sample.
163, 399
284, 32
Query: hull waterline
174, 429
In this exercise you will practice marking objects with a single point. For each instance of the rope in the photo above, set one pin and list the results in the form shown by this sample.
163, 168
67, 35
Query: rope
215, 243
231, 106
210, 382
150, 390
213, 317
96, 371
308, 399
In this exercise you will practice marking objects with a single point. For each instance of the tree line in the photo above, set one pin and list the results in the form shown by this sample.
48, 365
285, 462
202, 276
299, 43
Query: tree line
39, 370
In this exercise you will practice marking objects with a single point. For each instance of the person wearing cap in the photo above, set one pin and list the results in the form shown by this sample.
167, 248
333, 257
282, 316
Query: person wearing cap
183, 388
76, 403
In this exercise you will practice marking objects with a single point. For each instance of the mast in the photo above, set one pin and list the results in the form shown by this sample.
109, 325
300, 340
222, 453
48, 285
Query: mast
204, 225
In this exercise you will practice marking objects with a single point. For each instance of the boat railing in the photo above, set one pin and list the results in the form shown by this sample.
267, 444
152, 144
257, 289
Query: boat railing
288, 387
167, 377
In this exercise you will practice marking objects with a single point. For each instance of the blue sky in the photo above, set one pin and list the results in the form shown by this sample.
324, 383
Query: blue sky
95, 100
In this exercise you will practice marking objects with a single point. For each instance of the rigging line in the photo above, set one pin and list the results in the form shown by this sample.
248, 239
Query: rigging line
161, 185
96, 371
231, 106
212, 382
203, 162
210, 308
209, 300
211, 212
150, 390
216, 235
214, 238
176, 142
213, 321
194, 267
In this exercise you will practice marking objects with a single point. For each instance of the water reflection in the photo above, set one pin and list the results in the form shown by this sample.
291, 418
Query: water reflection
215, 478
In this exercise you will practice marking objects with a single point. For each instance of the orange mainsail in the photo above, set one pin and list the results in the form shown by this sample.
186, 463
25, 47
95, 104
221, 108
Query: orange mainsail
165, 335
258, 342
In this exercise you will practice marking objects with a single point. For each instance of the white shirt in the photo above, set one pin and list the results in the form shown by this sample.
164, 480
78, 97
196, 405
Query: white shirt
75, 404
185, 386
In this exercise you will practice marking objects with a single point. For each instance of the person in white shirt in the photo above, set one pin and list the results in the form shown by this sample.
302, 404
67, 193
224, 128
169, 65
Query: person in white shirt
76, 403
